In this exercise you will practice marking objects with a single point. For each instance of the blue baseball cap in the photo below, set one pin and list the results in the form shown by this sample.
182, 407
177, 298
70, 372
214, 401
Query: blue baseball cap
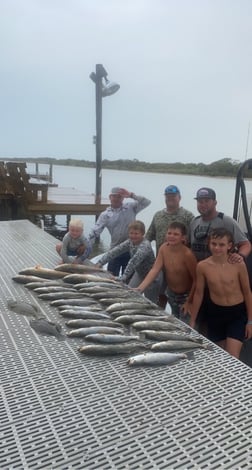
172, 189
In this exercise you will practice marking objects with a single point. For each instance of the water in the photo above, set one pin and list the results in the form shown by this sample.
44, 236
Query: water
150, 185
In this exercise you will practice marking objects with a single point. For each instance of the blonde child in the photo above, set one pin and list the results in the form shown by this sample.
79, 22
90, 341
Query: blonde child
75, 247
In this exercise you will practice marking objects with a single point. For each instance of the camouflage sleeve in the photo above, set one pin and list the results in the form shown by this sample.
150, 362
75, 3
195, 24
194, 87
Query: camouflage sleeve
141, 254
114, 252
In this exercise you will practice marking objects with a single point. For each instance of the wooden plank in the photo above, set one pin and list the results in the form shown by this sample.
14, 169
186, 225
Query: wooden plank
63, 201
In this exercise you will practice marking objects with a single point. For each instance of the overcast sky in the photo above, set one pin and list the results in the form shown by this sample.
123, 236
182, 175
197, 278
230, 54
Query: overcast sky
184, 69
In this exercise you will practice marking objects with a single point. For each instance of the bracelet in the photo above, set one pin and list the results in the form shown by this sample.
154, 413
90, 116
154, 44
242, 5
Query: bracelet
249, 322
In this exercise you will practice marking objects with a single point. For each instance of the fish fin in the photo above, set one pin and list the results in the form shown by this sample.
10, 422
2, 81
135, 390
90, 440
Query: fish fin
191, 355
61, 337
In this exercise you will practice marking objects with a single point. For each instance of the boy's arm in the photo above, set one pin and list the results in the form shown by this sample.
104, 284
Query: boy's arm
191, 264
198, 293
114, 252
87, 251
142, 252
245, 286
63, 253
152, 274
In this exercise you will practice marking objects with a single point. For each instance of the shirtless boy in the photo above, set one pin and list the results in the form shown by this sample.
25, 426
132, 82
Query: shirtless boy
179, 266
229, 310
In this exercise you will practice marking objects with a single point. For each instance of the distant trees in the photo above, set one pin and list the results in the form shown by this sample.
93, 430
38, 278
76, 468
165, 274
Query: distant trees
224, 167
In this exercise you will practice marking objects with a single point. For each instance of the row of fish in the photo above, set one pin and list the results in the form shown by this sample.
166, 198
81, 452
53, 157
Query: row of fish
115, 319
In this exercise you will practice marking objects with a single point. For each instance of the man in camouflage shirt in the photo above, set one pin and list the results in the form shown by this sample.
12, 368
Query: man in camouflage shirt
173, 212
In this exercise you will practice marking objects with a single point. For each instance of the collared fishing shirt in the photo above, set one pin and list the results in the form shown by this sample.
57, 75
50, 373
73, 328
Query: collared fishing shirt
117, 220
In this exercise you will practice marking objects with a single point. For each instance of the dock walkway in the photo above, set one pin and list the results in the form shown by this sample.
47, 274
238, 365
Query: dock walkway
23, 196
63, 410
67, 201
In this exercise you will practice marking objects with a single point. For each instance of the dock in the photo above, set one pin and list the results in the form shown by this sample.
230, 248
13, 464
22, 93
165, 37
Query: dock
67, 201
63, 410
23, 196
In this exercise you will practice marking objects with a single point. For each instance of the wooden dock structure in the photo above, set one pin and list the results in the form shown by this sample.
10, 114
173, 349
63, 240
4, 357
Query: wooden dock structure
24, 197
67, 201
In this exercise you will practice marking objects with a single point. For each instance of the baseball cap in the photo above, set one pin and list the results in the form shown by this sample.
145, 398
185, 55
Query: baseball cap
205, 193
115, 190
172, 189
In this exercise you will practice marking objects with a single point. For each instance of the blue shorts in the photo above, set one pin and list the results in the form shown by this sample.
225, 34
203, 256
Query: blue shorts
226, 321
72, 252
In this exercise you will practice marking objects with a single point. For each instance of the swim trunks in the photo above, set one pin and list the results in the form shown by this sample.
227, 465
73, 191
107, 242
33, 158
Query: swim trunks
226, 321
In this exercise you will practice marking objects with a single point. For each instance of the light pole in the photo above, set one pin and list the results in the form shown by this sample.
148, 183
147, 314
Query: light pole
101, 90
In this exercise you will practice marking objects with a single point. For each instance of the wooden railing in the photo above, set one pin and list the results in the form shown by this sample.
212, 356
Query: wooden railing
15, 181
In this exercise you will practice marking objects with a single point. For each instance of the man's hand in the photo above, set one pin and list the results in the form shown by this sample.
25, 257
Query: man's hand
125, 193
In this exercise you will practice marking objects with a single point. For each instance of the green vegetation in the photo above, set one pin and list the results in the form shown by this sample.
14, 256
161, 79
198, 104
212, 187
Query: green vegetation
224, 167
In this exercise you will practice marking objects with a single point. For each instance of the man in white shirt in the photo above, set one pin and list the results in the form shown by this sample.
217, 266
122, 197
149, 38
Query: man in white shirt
116, 219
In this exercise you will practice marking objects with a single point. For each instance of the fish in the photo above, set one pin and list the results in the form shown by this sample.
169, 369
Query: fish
89, 308
39, 271
128, 319
155, 359
107, 295
78, 268
43, 283
84, 322
94, 329
97, 285
68, 301
110, 339
45, 327
22, 307
96, 288
68, 313
147, 312
127, 305
157, 325
61, 294
53, 288
111, 349
167, 335
25, 279
173, 345
109, 301
77, 278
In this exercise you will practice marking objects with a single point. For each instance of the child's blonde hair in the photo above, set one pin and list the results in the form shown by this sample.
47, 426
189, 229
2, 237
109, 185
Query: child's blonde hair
76, 223
137, 225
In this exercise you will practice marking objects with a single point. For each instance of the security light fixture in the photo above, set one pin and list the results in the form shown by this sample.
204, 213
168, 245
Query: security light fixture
109, 88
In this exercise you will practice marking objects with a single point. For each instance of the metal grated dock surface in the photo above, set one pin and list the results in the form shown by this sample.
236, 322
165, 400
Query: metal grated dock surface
62, 410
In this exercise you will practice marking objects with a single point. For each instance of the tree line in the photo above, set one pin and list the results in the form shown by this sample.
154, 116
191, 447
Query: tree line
223, 167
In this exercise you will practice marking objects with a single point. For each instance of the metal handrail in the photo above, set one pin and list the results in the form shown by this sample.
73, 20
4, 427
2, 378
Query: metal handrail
240, 190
